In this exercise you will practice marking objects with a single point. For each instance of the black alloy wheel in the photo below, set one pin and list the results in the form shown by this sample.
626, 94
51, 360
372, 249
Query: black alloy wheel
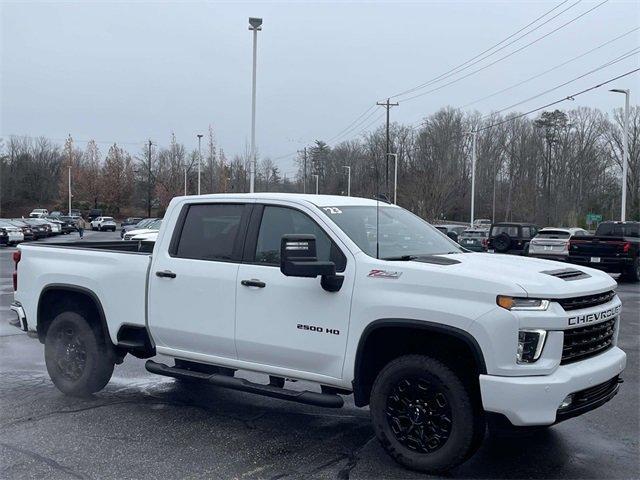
419, 414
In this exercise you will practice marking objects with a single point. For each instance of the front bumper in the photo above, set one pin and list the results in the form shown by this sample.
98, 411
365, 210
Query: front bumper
20, 321
535, 400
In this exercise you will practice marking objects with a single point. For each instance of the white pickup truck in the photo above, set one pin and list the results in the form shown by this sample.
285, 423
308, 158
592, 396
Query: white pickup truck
438, 341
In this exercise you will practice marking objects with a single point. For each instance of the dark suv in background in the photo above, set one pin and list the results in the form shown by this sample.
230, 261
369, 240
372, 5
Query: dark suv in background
511, 237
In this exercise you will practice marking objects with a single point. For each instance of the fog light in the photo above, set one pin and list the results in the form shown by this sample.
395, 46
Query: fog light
568, 400
530, 345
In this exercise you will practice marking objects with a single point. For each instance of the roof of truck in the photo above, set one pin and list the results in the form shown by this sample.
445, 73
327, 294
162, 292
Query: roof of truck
318, 200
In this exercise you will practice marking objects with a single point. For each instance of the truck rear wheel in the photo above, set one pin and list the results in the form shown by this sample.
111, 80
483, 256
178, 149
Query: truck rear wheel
423, 414
77, 358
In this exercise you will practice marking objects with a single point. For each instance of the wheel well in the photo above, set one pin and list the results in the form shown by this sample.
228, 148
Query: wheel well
384, 341
57, 299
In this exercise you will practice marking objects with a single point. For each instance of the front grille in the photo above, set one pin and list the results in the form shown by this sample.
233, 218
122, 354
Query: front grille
587, 301
584, 342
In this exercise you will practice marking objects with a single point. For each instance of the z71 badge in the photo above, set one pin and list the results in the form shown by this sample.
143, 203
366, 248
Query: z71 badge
383, 274
594, 317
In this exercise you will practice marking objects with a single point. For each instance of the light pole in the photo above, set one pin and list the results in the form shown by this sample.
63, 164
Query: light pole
395, 176
185, 180
474, 135
316, 183
625, 151
348, 180
199, 135
69, 190
255, 24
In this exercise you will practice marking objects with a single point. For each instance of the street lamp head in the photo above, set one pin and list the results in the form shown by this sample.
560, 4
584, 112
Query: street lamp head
619, 90
199, 135
255, 23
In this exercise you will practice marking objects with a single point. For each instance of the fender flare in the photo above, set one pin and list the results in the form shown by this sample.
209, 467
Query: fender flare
360, 390
76, 289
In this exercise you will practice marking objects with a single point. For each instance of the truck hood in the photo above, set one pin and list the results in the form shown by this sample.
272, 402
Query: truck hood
531, 274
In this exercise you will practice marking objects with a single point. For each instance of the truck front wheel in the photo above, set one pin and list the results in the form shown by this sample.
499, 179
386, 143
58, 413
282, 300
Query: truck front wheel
77, 358
423, 414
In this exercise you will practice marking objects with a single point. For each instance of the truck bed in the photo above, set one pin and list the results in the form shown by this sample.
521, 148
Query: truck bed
113, 272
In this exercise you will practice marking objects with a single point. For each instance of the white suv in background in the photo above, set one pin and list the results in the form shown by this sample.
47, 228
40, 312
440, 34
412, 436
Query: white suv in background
553, 243
103, 223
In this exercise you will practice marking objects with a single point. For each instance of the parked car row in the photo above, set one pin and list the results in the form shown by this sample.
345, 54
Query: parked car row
40, 225
615, 247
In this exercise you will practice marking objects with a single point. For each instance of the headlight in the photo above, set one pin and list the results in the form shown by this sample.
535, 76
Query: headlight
530, 345
520, 303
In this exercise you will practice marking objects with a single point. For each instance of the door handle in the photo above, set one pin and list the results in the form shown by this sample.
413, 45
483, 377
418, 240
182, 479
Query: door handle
253, 283
166, 274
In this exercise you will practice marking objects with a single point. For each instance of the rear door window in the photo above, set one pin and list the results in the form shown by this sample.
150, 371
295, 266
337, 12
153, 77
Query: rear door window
511, 230
211, 232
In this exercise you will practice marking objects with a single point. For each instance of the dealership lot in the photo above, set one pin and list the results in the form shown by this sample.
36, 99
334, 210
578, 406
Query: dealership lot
145, 426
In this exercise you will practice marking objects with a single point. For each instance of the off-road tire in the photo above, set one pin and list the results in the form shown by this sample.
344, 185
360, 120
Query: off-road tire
502, 243
467, 428
90, 375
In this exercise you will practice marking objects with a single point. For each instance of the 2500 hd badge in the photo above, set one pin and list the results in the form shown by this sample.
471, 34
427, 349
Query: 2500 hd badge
594, 317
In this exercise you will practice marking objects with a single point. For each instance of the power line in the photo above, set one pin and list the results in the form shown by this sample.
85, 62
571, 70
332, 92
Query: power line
348, 127
506, 56
552, 68
624, 56
568, 97
467, 64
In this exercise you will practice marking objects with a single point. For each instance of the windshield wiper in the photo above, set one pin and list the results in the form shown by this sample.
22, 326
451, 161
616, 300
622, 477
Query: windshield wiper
403, 258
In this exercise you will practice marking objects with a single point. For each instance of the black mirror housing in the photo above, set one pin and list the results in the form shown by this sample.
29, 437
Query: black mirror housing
298, 258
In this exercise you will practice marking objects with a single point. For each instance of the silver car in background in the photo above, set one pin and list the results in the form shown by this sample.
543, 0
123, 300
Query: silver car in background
553, 243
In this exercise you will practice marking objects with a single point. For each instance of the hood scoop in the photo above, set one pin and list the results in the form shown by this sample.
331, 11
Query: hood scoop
567, 274
436, 260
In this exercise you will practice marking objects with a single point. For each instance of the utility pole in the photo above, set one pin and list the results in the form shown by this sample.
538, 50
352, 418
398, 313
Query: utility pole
149, 182
474, 135
199, 159
304, 171
70, 156
255, 26
625, 152
388, 106
348, 180
317, 176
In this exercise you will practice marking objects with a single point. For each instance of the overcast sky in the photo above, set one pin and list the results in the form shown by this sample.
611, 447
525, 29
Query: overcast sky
127, 71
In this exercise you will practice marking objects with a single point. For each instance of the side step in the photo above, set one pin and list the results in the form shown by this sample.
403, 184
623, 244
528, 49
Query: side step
310, 398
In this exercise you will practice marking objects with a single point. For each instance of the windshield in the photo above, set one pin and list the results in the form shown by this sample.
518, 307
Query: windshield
402, 233
474, 234
155, 225
107, 219
553, 234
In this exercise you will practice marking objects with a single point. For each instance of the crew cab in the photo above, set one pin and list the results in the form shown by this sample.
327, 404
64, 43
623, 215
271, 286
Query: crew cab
614, 248
438, 341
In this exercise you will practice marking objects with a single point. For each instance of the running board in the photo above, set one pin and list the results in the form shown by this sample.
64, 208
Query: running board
309, 398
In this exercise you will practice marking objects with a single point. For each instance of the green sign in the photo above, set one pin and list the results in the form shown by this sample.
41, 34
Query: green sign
594, 218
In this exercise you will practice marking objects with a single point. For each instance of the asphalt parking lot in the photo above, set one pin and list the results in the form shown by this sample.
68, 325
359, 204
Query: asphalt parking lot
146, 426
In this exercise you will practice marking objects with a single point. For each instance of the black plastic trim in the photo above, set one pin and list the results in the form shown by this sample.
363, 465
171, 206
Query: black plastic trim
360, 391
76, 289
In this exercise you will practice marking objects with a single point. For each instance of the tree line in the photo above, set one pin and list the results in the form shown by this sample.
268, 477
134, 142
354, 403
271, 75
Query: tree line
552, 169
